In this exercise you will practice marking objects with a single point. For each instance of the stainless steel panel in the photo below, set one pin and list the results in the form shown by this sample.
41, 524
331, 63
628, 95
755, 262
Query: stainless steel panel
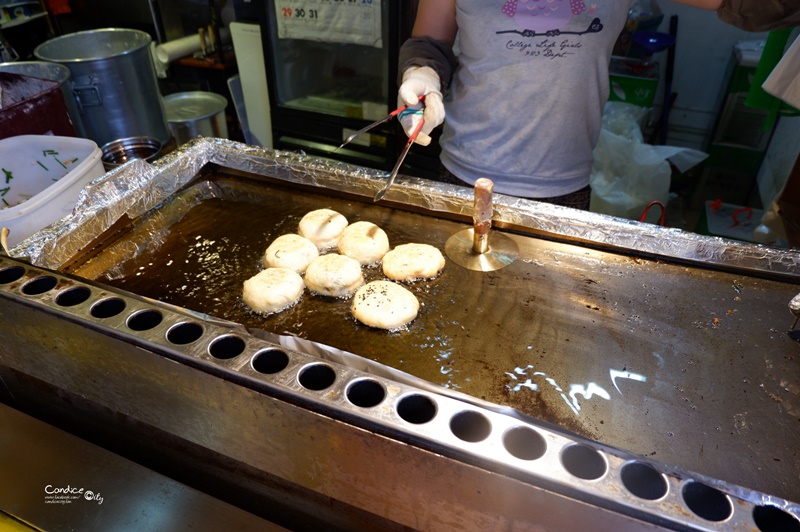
461, 467
55, 481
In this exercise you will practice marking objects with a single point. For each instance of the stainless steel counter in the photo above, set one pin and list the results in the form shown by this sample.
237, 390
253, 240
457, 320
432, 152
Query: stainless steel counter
52, 480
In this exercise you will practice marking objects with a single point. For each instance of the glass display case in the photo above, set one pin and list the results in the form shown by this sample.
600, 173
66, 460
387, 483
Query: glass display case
331, 69
333, 61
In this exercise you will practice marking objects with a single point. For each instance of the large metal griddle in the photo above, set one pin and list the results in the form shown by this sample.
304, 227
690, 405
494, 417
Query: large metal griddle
691, 366
579, 387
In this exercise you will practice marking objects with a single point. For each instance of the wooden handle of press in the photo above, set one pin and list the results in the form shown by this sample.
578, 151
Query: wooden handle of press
212, 37
201, 32
482, 214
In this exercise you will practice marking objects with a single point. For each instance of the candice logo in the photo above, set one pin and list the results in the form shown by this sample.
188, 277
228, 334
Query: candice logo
67, 494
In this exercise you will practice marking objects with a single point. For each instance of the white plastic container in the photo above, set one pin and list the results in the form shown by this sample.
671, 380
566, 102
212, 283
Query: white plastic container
732, 221
40, 179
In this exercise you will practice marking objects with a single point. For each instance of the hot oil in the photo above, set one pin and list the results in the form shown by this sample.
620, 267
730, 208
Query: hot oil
204, 259
215, 243
544, 310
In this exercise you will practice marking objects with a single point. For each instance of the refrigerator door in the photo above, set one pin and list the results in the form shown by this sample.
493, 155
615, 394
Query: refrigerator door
332, 69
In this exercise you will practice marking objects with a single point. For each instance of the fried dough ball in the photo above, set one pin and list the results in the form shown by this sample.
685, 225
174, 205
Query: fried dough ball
323, 227
408, 262
384, 305
364, 241
290, 251
273, 290
334, 275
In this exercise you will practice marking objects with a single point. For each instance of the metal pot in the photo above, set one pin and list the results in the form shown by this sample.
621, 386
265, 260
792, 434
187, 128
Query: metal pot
113, 82
196, 114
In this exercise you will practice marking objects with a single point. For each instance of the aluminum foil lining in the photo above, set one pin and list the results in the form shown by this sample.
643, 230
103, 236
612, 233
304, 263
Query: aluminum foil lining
137, 187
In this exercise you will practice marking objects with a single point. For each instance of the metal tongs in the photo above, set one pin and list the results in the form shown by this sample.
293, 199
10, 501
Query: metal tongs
411, 139
399, 163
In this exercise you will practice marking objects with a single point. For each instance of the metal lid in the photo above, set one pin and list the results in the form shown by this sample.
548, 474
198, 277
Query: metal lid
92, 45
190, 106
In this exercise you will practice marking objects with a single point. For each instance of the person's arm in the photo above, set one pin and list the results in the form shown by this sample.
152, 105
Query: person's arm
436, 19
702, 4
753, 15
431, 41
426, 65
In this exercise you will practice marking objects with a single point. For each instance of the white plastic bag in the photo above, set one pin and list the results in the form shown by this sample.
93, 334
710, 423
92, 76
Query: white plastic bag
627, 173
626, 176
784, 81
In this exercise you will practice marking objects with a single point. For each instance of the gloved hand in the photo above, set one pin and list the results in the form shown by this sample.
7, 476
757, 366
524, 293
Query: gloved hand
421, 81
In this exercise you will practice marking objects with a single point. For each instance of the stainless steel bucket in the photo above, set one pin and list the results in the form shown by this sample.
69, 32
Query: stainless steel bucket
196, 114
53, 72
113, 82
119, 152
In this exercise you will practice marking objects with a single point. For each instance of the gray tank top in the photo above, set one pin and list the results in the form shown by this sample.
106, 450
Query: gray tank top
527, 97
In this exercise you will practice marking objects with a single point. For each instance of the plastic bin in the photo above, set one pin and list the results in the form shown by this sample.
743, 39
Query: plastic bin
729, 221
633, 81
40, 179
32, 106
54, 72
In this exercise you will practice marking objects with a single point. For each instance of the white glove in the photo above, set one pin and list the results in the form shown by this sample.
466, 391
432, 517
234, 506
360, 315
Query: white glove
421, 81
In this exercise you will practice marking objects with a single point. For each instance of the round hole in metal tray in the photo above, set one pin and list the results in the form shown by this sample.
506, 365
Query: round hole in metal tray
524, 443
73, 296
707, 502
107, 308
40, 285
416, 409
226, 347
184, 333
9, 275
316, 377
470, 426
270, 361
643, 480
365, 393
583, 462
144, 320
771, 518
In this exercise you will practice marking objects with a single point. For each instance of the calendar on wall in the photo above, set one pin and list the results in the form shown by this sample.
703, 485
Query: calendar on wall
332, 67
334, 21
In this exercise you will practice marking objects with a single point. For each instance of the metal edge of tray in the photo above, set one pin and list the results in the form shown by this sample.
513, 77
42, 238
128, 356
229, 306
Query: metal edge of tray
572, 468
137, 186
529, 216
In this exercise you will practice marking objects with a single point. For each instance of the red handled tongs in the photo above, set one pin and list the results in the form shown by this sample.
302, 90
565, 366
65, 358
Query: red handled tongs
399, 163
411, 139
375, 124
